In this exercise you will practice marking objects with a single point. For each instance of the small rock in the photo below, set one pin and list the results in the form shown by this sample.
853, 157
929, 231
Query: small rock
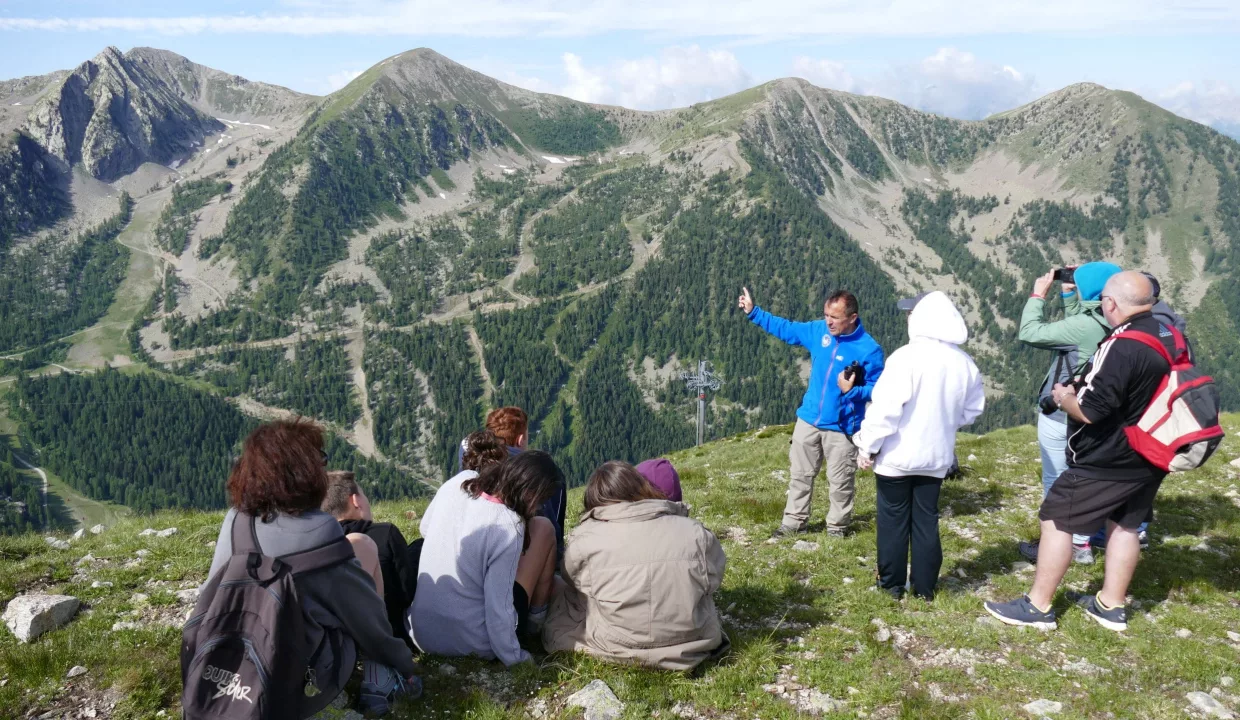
147, 532
1043, 707
446, 669
101, 584
211, 544
142, 552
971, 458
57, 543
1235, 463
1233, 636
166, 532
188, 596
79, 534
1021, 567
118, 626
1226, 681
1183, 633
848, 581
988, 620
804, 546
75, 671
86, 560
96, 530
29, 616
883, 635
817, 702
960, 573
599, 701
770, 541
139, 599
1209, 706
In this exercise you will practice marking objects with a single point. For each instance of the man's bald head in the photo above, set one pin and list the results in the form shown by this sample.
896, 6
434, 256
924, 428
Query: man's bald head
1129, 293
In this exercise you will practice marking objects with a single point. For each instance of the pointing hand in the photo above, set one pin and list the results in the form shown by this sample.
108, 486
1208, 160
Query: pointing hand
745, 301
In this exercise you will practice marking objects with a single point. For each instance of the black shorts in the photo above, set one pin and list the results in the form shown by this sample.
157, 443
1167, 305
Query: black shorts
1083, 505
521, 603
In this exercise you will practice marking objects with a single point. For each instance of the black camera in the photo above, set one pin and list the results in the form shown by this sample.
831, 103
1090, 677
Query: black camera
1047, 405
855, 373
1067, 275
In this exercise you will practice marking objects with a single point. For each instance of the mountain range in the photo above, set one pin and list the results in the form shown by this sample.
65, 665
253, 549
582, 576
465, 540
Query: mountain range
428, 242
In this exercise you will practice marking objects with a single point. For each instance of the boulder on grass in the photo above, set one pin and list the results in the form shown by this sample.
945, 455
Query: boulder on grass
29, 616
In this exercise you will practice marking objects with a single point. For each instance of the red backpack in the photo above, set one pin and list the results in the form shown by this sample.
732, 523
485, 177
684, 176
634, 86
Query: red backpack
1179, 430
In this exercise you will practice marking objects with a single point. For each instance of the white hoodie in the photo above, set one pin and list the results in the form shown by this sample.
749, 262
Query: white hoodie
929, 389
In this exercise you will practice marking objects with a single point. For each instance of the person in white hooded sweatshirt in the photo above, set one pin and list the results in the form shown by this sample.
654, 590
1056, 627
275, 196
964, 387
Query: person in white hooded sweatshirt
929, 390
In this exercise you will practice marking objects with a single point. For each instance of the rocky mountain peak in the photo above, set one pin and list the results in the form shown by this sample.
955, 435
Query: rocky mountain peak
110, 116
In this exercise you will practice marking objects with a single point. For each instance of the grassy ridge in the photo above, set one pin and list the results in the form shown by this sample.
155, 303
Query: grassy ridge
808, 614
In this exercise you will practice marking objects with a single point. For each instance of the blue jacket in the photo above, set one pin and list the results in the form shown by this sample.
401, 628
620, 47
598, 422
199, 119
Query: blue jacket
824, 406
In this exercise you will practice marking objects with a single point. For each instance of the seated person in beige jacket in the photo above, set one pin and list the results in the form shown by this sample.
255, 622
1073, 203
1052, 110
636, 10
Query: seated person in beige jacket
640, 575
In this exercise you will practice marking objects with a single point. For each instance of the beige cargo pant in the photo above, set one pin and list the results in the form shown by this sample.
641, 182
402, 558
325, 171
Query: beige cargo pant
810, 447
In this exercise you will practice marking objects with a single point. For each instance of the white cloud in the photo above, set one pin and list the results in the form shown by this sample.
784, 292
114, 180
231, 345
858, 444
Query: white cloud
957, 84
950, 82
824, 73
1216, 104
337, 80
699, 18
679, 76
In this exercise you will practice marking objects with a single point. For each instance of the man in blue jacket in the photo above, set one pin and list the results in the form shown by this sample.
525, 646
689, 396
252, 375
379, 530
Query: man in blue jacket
832, 409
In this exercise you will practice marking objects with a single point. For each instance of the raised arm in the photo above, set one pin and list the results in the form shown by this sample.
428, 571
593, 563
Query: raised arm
793, 333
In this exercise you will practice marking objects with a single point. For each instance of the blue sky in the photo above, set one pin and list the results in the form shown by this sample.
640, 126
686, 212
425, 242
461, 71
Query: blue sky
965, 58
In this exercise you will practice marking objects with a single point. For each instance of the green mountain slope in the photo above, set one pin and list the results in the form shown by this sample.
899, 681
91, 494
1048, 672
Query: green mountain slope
806, 626
428, 242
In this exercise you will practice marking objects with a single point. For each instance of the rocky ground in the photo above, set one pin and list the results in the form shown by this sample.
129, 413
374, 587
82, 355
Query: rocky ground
811, 637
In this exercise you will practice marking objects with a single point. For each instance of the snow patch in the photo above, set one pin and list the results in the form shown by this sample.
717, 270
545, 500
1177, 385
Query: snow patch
16, 104
238, 122
928, 180
174, 164
553, 160
442, 196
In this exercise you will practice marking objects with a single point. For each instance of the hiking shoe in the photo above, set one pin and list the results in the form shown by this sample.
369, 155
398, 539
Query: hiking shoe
1114, 619
1082, 555
1144, 538
837, 532
382, 687
1021, 612
784, 531
1029, 551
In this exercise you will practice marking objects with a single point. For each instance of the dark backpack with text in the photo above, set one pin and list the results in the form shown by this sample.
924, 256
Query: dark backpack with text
1179, 430
243, 653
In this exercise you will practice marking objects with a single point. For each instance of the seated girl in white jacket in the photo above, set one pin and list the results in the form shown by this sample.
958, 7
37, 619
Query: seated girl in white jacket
929, 389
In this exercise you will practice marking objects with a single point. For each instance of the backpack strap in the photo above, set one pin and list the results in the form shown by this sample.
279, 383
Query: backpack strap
329, 554
1147, 340
244, 535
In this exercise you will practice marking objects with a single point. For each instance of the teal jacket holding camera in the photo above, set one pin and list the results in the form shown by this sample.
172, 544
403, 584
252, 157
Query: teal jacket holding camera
824, 406
1076, 336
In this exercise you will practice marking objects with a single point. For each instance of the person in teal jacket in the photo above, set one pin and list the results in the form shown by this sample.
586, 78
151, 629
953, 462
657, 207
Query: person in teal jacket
833, 407
1072, 340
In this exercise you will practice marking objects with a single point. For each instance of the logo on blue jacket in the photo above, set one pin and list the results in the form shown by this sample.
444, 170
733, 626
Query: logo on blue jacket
826, 340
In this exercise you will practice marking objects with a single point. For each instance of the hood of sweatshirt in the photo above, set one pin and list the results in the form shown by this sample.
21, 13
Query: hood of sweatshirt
639, 511
937, 318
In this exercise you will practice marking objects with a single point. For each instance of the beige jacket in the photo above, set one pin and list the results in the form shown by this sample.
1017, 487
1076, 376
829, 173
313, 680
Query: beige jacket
640, 576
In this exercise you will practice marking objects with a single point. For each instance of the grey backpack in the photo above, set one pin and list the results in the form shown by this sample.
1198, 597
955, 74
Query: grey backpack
243, 653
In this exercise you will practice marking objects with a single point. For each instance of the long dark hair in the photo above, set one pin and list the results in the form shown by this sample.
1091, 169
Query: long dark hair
617, 482
524, 482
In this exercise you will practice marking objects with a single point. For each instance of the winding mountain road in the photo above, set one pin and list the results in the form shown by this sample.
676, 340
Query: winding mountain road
42, 474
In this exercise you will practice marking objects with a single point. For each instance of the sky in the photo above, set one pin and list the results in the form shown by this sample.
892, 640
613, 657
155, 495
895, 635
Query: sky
961, 58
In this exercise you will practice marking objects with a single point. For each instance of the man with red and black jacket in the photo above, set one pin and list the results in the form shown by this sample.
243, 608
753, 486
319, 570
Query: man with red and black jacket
1107, 482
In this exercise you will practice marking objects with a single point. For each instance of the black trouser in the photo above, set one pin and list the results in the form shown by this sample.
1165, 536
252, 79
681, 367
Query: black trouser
909, 507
